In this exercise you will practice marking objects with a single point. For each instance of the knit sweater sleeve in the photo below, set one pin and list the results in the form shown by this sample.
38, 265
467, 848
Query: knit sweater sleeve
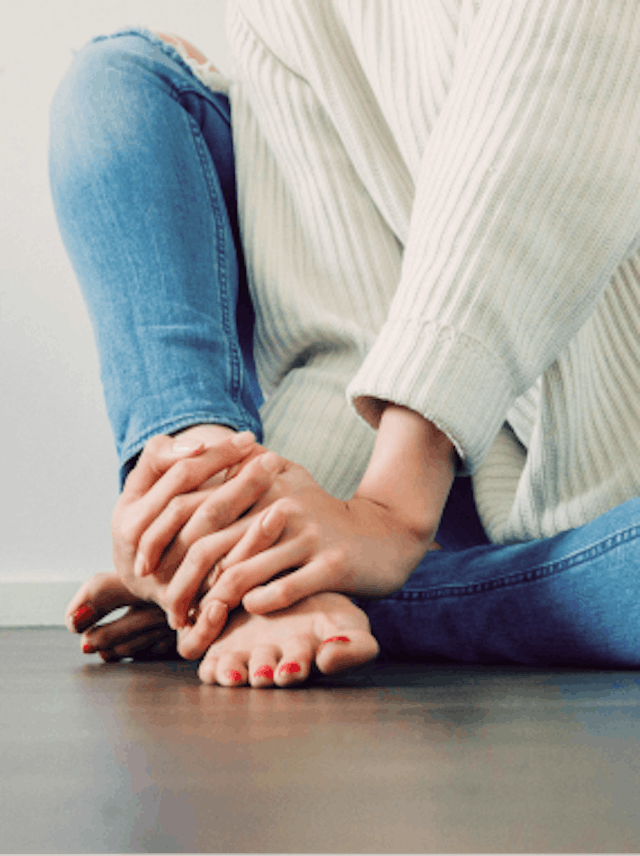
527, 199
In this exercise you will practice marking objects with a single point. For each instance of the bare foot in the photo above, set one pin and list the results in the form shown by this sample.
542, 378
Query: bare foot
142, 633
280, 648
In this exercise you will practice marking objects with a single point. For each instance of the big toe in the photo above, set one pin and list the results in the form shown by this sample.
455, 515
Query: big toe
345, 650
96, 598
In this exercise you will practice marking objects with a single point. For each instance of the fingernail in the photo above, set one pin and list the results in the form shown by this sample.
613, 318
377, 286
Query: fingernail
336, 639
83, 617
109, 658
234, 676
264, 672
272, 522
289, 668
244, 440
270, 462
88, 649
140, 567
217, 610
188, 447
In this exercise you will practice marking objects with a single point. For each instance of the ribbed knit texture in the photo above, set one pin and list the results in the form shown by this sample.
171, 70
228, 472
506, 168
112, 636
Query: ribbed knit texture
440, 207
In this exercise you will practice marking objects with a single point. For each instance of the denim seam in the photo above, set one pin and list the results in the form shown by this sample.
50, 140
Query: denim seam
532, 575
227, 321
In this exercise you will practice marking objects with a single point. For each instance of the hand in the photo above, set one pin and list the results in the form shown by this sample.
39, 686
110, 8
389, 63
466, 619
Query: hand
176, 481
367, 545
356, 547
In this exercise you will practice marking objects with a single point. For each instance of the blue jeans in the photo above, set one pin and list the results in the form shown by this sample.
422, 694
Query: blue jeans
143, 185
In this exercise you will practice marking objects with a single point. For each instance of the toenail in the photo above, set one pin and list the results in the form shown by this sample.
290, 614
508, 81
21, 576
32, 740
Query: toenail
87, 648
263, 672
83, 617
336, 639
234, 676
289, 668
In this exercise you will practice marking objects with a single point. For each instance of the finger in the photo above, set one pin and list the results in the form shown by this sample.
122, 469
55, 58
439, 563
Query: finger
158, 455
96, 598
184, 476
138, 619
263, 533
163, 530
235, 582
324, 573
200, 559
195, 640
206, 512
232, 499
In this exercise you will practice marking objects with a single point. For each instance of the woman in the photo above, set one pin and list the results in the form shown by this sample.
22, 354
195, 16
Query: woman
439, 212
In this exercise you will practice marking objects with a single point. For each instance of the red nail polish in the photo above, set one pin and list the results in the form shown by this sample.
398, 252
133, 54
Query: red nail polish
234, 676
83, 617
336, 639
289, 668
263, 672
88, 649
109, 658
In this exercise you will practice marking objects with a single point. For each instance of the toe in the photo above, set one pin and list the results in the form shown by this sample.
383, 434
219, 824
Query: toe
232, 669
96, 598
295, 664
344, 650
262, 665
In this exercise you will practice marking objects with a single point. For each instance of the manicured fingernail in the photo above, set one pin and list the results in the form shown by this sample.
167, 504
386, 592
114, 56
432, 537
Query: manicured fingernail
188, 447
109, 658
140, 567
263, 672
270, 462
244, 440
88, 649
83, 617
336, 639
289, 668
234, 676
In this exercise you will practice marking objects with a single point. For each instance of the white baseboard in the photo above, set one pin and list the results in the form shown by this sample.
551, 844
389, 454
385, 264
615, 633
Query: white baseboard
35, 604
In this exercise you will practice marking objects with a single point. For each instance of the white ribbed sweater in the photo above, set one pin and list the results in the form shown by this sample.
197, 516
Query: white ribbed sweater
440, 207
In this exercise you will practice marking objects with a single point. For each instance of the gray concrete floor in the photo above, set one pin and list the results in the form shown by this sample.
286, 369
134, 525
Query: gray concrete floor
140, 757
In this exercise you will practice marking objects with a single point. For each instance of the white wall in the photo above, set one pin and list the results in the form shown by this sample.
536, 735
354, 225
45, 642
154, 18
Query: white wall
58, 473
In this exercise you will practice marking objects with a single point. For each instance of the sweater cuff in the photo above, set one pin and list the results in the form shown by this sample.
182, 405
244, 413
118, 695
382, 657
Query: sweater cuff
446, 376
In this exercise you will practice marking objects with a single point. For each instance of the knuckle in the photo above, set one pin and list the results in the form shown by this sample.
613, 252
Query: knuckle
213, 515
155, 445
127, 534
334, 561
198, 554
177, 506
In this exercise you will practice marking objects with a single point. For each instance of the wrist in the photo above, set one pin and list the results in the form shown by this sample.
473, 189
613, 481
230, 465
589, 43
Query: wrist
411, 470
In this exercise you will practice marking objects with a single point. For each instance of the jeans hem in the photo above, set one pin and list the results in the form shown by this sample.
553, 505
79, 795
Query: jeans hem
174, 425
